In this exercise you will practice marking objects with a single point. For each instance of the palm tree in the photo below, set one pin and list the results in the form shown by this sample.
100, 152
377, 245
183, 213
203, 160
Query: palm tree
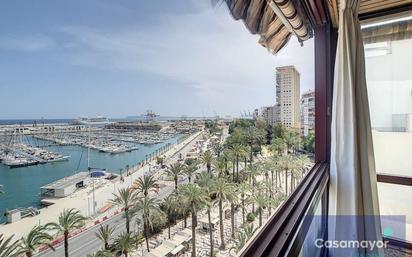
277, 199
196, 199
37, 237
275, 162
227, 156
268, 194
219, 165
287, 165
190, 170
205, 180
217, 149
232, 157
145, 184
295, 173
253, 136
278, 145
7, 247
69, 220
224, 191
267, 166
261, 203
292, 140
104, 234
160, 160
303, 160
242, 237
233, 203
124, 243
244, 156
148, 206
170, 205
175, 170
243, 189
237, 150
126, 199
253, 173
206, 159
264, 168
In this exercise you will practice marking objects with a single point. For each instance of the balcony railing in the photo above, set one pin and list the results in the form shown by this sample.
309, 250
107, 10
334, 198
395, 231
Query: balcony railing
288, 230
283, 234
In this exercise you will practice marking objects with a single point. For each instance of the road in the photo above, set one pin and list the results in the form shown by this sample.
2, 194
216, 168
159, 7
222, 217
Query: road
86, 242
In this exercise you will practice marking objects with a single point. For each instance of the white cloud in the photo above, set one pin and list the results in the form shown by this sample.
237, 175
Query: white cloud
207, 51
26, 43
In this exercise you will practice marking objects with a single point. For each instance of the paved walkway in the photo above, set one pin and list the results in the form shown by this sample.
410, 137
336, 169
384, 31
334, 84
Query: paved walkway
83, 199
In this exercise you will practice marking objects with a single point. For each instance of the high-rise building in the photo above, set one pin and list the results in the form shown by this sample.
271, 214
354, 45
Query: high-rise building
267, 113
288, 96
307, 110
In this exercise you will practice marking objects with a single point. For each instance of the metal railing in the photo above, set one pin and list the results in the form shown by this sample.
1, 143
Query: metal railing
285, 228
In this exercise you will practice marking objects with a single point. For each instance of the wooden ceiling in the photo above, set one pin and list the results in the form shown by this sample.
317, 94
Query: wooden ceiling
368, 7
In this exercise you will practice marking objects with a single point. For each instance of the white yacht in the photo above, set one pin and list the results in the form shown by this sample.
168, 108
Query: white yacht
94, 121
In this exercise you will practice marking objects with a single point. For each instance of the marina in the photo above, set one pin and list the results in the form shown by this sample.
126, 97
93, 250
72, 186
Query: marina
21, 155
22, 146
22, 184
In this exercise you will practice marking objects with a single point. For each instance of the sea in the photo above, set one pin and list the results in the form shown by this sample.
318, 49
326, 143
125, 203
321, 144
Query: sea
22, 185
58, 121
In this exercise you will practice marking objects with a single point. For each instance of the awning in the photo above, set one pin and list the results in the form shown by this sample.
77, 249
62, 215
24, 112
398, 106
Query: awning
97, 173
388, 32
274, 20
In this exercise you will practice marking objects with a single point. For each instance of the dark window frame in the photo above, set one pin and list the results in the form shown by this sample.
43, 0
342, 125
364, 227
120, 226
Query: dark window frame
270, 241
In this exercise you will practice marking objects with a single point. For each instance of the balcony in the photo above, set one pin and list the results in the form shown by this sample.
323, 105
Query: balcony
305, 215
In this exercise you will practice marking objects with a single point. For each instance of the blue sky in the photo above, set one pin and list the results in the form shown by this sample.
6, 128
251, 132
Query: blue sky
64, 59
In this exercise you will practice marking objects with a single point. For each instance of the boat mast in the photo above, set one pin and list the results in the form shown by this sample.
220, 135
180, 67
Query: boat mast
88, 150
88, 168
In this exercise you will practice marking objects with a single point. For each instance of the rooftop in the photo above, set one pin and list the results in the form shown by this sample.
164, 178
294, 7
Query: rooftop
67, 181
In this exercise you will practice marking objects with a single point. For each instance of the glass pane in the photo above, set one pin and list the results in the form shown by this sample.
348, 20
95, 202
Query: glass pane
388, 53
392, 201
316, 230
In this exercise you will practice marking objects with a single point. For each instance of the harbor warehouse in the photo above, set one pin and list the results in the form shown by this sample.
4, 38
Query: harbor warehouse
65, 186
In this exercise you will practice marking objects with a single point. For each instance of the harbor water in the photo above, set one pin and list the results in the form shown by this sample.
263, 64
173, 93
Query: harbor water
22, 185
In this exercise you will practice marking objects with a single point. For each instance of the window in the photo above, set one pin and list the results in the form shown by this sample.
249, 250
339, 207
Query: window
388, 52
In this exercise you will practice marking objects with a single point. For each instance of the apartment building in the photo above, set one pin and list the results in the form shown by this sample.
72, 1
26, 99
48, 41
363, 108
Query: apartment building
307, 112
288, 96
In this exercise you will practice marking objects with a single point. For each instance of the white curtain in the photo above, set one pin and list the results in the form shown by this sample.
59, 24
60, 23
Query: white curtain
353, 188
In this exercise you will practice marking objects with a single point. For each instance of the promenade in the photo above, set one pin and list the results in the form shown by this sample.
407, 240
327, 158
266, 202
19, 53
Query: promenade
83, 199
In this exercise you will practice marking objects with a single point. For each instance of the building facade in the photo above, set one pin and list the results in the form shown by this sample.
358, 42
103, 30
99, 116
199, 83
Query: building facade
268, 114
288, 96
307, 110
